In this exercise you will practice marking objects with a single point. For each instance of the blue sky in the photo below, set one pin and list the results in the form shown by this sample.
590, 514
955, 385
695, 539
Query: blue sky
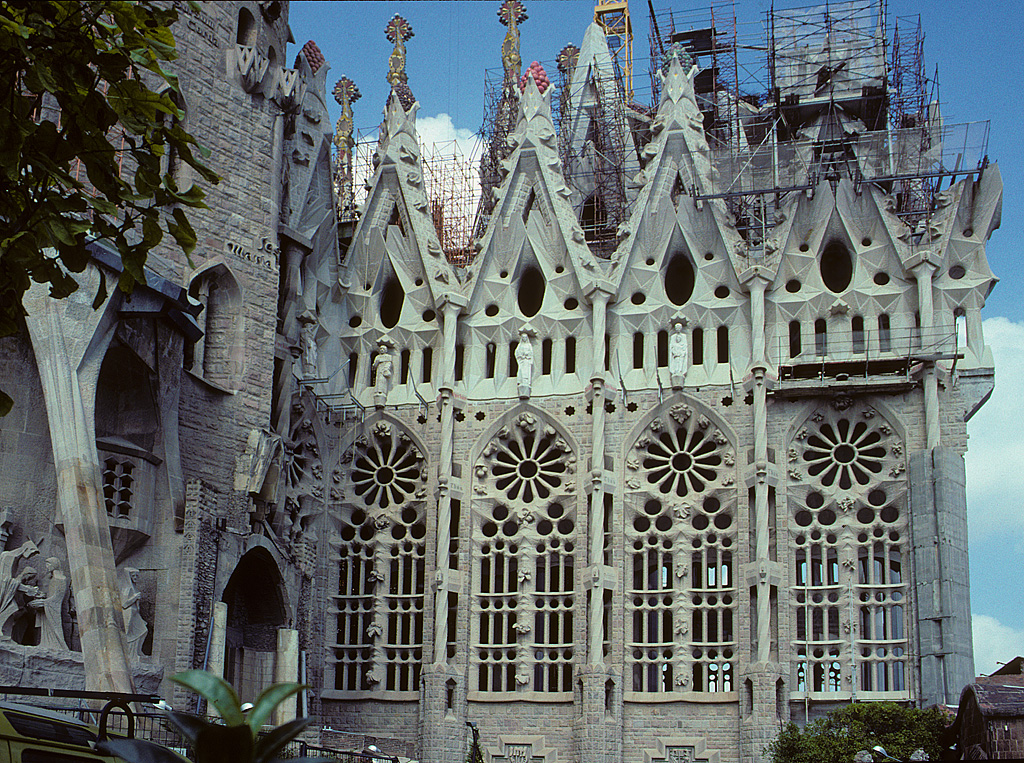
981, 73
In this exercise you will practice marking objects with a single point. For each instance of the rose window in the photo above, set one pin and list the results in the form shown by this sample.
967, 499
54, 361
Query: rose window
527, 466
682, 461
385, 471
845, 452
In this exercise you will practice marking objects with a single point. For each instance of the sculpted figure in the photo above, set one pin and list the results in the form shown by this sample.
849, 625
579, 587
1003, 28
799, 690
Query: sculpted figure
308, 344
524, 360
134, 625
678, 354
11, 584
384, 368
49, 607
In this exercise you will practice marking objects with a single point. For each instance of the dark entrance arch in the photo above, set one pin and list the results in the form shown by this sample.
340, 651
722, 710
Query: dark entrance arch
256, 611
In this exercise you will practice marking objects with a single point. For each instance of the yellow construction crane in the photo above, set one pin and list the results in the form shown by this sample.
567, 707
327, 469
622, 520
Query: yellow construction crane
613, 16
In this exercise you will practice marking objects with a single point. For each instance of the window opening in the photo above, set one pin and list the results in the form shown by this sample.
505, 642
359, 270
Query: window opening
662, 349
546, 348
794, 339
723, 344
570, 354
820, 337
428, 362
638, 350
698, 346
490, 357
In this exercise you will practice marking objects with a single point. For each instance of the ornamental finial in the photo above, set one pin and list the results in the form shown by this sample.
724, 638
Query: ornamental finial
511, 14
345, 93
398, 31
567, 58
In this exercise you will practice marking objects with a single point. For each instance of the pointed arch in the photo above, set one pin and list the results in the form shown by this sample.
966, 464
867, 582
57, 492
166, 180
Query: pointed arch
378, 512
219, 356
524, 515
847, 508
680, 520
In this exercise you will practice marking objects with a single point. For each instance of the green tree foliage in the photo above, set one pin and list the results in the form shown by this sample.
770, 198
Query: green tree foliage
88, 118
860, 726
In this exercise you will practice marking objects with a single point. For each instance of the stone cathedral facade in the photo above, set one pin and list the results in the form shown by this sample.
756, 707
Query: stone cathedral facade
631, 486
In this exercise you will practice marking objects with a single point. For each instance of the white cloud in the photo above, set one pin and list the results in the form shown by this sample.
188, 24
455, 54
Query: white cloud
994, 643
435, 131
995, 455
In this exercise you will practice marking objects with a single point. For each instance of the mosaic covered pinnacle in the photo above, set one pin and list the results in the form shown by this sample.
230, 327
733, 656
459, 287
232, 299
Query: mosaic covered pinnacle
679, 52
536, 71
312, 53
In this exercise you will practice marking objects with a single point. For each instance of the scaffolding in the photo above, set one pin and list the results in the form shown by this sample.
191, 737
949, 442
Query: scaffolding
812, 96
613, 17
453, 194
595, 140
451, 184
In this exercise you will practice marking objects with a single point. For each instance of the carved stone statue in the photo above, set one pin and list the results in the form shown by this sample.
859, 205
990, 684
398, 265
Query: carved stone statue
524, 361
678, 354
383, 367
11, 584
49, 607
308, 343
135, 627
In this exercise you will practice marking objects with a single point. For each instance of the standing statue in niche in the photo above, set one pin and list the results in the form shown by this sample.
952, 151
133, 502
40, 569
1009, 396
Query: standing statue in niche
12, 584
307, 344
49, 607
383, 369
524, 361
135, 627
678, 353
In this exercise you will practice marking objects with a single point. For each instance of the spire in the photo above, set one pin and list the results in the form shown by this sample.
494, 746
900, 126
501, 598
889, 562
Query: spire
511, 14
399, 31
345, 93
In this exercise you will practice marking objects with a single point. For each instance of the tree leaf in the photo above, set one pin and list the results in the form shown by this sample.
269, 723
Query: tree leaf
216, 691
6, 403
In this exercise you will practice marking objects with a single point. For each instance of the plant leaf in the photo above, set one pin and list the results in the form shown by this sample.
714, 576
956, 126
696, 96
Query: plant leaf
187, 725
139, 751
216, 691
272, 743
270, 698
224, 744
6, 403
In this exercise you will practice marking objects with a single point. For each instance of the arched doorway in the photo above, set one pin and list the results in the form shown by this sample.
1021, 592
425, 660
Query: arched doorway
256, 611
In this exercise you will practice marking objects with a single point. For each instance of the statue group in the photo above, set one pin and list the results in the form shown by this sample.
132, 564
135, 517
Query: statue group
32, 602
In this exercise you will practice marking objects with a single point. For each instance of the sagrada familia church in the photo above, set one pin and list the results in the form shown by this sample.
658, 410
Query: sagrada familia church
667, 454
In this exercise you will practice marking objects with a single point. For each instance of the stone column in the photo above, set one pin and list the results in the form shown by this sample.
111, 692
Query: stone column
286, 669
599, 300
69, 340
442, 727
218, 639
450, 311
757, 282
923, 271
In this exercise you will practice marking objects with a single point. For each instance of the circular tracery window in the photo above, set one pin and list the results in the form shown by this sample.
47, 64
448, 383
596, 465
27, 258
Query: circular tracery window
528, 466
682, 461
385, 471
844, 453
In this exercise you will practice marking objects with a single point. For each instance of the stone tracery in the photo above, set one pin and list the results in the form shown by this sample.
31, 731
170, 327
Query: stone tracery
380, 545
